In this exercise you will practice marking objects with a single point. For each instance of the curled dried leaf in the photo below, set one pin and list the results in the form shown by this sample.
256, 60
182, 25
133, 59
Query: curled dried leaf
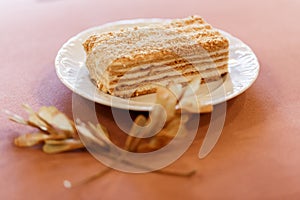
91, 136
35, 121
168, 100
63, 141
188, 106
99, 131
175, 127
16, 118
189, 101
28, 109
103, 130
135, 130
193, 88
176, 89
58, 146
153, 144
56, 119
30, 139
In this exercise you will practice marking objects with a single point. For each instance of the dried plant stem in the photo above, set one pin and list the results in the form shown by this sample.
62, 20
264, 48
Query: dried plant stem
178, 174
69, 185
162, 171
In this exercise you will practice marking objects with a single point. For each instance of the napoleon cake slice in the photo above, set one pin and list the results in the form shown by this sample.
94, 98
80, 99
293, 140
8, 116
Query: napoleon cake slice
133, 61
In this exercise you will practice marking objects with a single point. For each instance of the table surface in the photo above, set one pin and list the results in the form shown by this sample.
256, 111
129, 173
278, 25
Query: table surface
257, 155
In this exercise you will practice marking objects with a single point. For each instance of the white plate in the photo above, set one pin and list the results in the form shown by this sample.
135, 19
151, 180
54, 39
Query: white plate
71, 70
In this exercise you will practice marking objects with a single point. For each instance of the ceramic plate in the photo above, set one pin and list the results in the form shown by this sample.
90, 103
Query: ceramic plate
71, 70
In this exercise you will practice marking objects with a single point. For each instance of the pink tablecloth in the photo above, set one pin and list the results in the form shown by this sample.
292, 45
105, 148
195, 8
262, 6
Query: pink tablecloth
257, 155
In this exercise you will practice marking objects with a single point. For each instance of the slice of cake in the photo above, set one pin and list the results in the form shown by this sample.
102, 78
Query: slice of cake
133, 61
